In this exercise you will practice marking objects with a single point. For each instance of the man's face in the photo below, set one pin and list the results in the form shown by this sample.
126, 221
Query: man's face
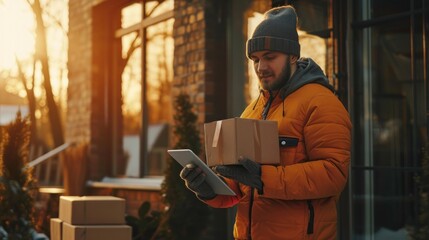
272, 68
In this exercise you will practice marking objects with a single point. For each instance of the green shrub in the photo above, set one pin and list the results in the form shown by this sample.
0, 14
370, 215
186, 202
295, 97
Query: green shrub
16, 183
187, 217
146, 224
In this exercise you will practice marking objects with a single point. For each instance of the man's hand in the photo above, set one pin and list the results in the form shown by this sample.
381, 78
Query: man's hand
247, 173
195, 180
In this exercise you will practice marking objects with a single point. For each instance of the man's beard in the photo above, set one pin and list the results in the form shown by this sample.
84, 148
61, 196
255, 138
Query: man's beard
282, 79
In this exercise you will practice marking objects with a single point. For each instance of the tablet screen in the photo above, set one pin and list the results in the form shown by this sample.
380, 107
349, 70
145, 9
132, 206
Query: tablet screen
186, 156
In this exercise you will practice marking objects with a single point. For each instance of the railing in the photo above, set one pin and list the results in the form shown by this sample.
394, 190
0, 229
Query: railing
48, 155
54, 165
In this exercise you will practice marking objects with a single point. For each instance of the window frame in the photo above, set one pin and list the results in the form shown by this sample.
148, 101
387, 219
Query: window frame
368, 169
117, 157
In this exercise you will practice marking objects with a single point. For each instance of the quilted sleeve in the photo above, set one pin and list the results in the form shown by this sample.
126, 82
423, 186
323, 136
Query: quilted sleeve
224, 201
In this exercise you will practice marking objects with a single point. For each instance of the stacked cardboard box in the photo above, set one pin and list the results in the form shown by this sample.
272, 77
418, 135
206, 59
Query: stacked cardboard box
90, 218
227, 140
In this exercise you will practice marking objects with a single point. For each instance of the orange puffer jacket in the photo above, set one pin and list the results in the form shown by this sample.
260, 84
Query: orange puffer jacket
299, 196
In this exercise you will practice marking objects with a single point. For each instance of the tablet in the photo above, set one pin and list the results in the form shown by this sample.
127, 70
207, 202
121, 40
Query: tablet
186, 156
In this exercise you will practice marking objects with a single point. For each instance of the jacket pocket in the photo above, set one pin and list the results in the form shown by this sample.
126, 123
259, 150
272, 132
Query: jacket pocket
288, 148
285, 142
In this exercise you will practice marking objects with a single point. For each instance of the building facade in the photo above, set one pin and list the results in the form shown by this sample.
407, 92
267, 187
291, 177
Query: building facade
128, 60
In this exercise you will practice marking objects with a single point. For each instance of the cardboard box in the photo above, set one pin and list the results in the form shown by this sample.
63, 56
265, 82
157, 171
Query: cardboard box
87, 210
227, 140
96, 232
56, 228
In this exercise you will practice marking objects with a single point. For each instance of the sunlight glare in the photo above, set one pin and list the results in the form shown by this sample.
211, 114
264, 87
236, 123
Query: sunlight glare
16, 37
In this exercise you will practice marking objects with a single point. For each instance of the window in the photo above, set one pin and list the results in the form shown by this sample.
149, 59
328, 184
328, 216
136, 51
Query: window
242, 17
315, 37
390, 118
144, 76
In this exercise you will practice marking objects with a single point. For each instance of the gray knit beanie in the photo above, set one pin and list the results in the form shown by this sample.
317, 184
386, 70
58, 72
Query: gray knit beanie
277, 32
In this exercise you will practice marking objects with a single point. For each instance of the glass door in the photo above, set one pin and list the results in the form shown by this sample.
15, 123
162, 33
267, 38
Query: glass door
389, 117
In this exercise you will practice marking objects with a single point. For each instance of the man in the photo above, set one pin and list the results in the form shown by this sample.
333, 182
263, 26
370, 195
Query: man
297, 199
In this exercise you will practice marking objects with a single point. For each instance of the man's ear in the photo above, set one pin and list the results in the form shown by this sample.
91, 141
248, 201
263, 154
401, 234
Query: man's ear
293, 59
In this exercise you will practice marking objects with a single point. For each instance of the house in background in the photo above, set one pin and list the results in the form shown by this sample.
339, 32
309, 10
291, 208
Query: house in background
129, 59
10, 105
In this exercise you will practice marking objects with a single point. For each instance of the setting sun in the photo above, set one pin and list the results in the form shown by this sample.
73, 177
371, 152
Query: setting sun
16, 32
17, 40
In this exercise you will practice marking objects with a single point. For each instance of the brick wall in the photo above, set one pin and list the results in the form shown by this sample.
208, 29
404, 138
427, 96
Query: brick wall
79, 87
189, 53
199, 70
199, 57
82, 124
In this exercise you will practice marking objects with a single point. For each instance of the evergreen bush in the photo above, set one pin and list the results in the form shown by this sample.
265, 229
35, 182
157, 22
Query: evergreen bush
145, 226
16, 182
187, 217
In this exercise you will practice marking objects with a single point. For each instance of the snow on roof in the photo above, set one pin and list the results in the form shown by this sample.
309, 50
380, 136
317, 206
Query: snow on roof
8, 113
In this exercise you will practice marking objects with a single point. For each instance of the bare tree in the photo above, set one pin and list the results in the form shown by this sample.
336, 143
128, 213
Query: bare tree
32, 102
42, 56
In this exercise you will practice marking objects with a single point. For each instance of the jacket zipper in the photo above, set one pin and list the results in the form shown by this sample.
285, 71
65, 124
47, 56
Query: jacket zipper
250, 214
310, 226
264, 117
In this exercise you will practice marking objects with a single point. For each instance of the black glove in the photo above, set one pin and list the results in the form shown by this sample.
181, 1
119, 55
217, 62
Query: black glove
247, 173
195, 180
